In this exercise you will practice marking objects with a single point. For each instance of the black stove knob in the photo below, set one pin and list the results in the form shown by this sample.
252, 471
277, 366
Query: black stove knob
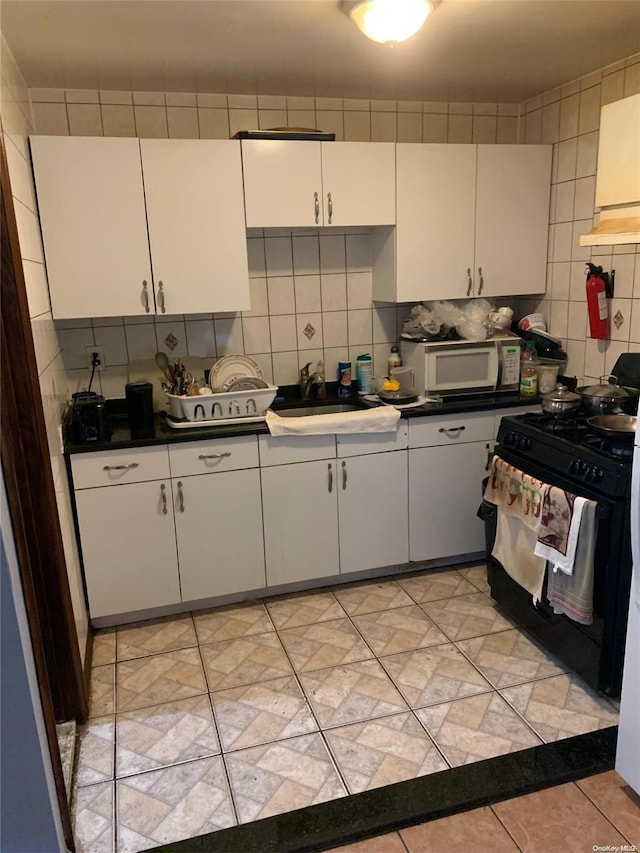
594, 475
510, 439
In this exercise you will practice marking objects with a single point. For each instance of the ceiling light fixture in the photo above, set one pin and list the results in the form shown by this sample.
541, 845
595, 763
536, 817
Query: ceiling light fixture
389, 21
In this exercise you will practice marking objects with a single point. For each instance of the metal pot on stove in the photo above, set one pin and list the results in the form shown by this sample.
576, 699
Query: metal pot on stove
607, 398
561, 402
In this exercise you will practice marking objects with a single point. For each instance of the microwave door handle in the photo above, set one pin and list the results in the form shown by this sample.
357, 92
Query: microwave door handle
495, 366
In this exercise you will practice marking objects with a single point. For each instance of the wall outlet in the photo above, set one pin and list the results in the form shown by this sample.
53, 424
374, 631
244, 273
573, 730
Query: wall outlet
91, 351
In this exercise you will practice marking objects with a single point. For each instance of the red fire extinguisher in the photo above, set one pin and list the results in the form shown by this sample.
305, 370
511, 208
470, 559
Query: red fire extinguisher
597, 302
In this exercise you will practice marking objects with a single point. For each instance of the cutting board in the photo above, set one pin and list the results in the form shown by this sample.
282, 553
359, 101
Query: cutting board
146, 370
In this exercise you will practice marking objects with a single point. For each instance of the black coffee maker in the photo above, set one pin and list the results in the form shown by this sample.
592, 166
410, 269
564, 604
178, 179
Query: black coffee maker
139, 396
89, 422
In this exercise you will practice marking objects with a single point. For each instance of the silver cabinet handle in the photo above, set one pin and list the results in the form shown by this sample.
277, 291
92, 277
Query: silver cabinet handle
330, 477
470, 282
180, 497
481, 280
344, 476
145, 296
447, 430
489, 458
161, 297
316, 202
163, 498
120, 467
330, 207
214, 455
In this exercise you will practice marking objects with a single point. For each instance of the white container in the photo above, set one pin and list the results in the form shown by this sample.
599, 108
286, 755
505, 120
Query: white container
227, 404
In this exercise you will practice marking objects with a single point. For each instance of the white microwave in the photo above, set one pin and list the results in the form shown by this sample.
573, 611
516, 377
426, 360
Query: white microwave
464, 367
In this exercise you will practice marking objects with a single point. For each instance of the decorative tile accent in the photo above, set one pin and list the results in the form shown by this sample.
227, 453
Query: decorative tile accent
261, 713
362, 598
159, 678
309, 331
171, 341
476, 728
154, 637
561, 707
104, 647
93, 823
434, 675
347, 694
226, 623
466, 616
303, 608
325, 644
431, 587
102, 690
509, 658
95, 756
283, 776
246, 660
169, 805
618, 318
165, 734
398, 630
381, 752
477, 575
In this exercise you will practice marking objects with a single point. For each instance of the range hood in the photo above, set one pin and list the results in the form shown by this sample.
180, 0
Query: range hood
618, 175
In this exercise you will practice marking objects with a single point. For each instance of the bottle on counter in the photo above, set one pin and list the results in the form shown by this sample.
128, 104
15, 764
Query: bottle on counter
344, 379
395, 360
528, 371
363, 374
320, 383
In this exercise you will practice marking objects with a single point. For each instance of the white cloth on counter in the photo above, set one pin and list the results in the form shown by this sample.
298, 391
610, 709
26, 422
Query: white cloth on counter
380, 419
518, 497
573, 594
559, 528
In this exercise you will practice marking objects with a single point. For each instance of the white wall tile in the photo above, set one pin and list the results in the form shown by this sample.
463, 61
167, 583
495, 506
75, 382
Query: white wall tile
614, 350
281, 292
118, 120
182, 122
180, 99
50, 119
28, 233
383, 127
201, 339
594, 356
460, 128
621, 332
257, 335
612, 87
279, 258
328, 103
268, 119
587, 155
213, 123
357, 126
258, 298
141, 341
332, 254
149, 98
112, 340
409, 127
334, 324
115, 97
624, 266
214, 101
507, 130
434, 127
242, 120
256, 257
560, 280
359, 289
435, 107
585, 198
331, 121
37, 289
589, 110
559, 318
566, 154
285, 368
301, 118
81, 96
359, 323
73, 343
577, 321
85, 119
306, 256
562, 241
632, 80
575, 359
551, 123
303, 321
228, 332
578, 252
333, 288
565, 198
151, 122
283, 334
384, 325
533, 128
307, 293
358, 248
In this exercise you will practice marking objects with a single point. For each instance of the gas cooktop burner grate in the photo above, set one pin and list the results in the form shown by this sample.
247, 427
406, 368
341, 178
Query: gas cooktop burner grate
611, 447
569, 425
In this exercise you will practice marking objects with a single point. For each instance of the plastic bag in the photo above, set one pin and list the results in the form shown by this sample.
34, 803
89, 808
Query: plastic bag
473, 325
470, 320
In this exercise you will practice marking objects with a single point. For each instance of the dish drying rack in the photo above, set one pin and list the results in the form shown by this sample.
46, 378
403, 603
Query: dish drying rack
222, 407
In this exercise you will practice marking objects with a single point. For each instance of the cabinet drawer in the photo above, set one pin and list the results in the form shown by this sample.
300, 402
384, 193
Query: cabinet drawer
114, 467
283, 450
358, 445
222, 454
450, 429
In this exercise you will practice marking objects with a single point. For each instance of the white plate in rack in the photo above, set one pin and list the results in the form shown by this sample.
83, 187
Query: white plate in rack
232, 367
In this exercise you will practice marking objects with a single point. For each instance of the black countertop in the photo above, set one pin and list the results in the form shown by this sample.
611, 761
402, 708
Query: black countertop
164, 434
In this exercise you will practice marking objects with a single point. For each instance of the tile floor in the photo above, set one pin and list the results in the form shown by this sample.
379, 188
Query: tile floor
221, 717
598, 812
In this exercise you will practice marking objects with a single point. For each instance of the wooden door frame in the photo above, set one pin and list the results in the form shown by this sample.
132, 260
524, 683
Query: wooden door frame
32, 504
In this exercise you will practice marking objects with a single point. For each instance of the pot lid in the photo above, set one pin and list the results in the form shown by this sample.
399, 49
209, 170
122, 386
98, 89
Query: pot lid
561, 394
606, 389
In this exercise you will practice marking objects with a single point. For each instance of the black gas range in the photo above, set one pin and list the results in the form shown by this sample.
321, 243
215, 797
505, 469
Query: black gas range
570, 454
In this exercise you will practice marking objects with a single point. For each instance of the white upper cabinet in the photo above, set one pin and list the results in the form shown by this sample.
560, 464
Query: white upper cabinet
94, 227
307, 184
101, 239
512, 219
472, 220
193, 191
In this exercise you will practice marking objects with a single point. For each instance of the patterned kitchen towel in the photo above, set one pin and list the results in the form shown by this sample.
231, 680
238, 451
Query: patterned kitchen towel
515, 493
559, 526
573, 594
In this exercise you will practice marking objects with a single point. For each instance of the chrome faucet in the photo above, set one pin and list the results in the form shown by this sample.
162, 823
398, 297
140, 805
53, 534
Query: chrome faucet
306, 381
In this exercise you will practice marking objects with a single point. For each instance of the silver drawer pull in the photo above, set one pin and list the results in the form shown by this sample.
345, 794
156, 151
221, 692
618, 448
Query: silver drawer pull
447, 430
161, 297
214, 455
180, 497
469, 282
344, 476
481, 280
330, 207
120, 467
330, 484
163, 498
316, 207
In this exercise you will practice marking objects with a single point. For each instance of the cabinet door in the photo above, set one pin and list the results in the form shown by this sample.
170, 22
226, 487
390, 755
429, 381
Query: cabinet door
359, 183
512, 219
300, 509
445, 491
128, 547
195, 211
372, 499
435, 221
282, 183
219, 532
94, 227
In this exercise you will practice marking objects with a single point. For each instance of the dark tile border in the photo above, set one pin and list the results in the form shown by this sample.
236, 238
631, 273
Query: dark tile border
393, 807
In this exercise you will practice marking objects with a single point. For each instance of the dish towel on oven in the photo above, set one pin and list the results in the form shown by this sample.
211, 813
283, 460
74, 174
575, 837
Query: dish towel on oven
518, 497
573, 594
559, 527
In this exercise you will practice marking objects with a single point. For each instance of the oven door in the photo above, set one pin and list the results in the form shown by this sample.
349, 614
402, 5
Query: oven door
595, 651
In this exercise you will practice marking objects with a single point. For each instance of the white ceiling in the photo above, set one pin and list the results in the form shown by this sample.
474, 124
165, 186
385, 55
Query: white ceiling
468, 50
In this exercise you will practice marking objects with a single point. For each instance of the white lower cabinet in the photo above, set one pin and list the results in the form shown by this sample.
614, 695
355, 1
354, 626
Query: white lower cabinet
219, 533
300, 510
372, 498
128, 547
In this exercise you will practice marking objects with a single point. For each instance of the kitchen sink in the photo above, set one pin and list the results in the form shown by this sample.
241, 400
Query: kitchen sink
330, 408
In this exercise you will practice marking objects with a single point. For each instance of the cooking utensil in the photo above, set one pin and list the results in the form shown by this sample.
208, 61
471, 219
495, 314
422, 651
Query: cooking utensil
399, 397
615, 426
607, 398
162, 361
561, 402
